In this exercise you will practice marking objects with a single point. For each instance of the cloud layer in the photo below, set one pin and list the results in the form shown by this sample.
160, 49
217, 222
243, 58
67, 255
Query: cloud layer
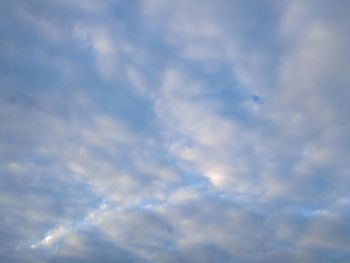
174, 131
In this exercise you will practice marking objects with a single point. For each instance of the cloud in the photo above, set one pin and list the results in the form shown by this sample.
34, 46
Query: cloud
153, 131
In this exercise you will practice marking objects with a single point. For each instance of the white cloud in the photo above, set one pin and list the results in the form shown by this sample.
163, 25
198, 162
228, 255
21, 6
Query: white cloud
174, 131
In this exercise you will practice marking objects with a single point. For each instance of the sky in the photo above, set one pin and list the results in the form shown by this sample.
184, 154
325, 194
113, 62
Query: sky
174, 131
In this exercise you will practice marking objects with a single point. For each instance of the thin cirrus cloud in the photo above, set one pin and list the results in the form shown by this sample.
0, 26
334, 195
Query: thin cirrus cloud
174, 131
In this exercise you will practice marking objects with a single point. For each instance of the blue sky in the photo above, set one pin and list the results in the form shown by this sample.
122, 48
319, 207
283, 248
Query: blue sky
174, 131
